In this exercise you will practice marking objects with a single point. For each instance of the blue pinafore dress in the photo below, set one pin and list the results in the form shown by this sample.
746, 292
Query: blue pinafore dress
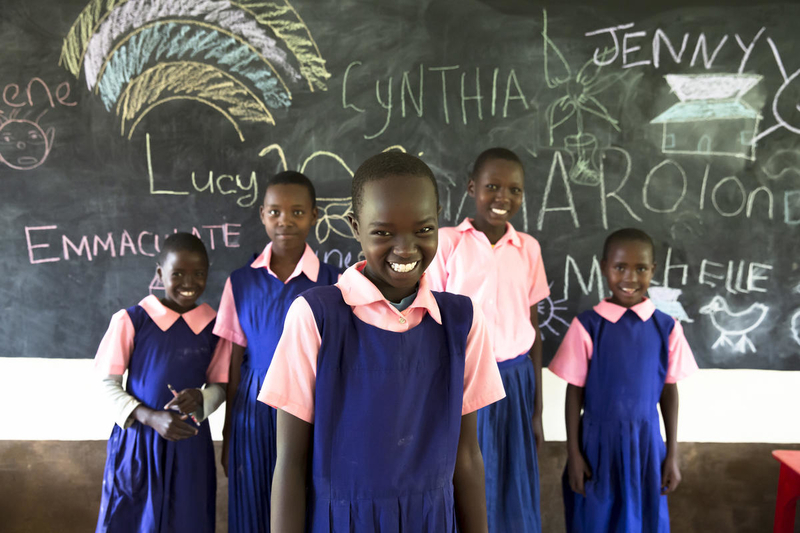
387, 419
511, 464
262, 301
152, 485
620, 435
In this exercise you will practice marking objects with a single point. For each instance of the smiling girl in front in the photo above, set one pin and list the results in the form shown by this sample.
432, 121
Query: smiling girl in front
621, 359
160, 474
377, 379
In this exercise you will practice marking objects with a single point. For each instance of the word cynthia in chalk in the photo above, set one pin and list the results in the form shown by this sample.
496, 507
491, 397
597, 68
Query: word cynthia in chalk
47, 245
488, 93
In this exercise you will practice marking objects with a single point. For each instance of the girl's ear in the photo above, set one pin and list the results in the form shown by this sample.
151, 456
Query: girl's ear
159, 274
471, 187
353, 225
314, 215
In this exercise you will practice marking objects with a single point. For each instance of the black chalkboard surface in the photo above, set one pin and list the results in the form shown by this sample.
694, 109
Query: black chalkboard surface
121, 121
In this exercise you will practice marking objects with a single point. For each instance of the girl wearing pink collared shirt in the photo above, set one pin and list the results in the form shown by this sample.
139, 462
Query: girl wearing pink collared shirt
501, 269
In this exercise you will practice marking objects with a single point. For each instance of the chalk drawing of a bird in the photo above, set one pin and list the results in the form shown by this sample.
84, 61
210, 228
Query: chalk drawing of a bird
732, 324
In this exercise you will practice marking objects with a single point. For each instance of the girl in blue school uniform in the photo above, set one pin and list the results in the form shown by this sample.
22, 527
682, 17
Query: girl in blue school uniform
377, 379
160, 474
621, 359
251, 315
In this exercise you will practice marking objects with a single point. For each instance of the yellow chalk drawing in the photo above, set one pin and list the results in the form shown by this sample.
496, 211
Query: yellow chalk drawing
275, 148
189, 79
191, 23
194, 98
287, 25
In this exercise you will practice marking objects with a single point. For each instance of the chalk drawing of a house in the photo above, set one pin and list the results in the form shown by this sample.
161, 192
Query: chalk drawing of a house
711, 118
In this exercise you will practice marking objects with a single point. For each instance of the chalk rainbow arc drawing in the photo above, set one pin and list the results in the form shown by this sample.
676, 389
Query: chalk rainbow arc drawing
242, 59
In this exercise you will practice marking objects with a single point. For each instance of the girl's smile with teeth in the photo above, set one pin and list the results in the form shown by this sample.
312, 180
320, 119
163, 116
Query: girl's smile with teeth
403, 267
499, 211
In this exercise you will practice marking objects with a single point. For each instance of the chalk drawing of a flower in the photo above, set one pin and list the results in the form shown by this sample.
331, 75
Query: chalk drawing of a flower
580, 98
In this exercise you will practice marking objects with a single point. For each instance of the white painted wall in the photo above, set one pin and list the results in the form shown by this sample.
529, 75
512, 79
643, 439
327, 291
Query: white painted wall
56, 399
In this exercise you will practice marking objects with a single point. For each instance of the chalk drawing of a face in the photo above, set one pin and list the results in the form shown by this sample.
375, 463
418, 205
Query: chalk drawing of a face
23, 143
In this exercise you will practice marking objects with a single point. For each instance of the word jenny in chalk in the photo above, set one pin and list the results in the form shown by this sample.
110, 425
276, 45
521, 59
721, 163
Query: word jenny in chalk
46, 244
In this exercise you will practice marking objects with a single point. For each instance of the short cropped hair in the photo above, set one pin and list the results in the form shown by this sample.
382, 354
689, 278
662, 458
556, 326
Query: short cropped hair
178, 242
292, 177
627, 235
384, 165
490, 155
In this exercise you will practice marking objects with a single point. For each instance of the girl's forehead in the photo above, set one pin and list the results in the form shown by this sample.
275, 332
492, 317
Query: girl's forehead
634, 247
287, 192
183, 255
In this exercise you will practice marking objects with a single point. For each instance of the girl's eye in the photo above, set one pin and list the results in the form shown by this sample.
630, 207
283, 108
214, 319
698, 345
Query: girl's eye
381, 233
426, 229
491, 186
298, 213
516, 191
273, 212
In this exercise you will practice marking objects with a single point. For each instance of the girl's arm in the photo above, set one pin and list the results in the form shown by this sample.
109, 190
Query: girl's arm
670, 472
234, 376
291, 468
577, 468
468, 482
536, 357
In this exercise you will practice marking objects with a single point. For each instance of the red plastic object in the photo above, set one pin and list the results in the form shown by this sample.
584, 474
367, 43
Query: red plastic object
788, 490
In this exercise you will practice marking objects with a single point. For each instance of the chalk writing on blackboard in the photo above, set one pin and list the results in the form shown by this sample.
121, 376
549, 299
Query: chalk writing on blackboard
733, 324
24, 144
139, 54
47, 245
580, 99
782, 163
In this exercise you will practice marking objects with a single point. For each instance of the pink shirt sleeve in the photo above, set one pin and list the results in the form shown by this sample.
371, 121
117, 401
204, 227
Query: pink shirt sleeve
571, 362
681, 358
539, 286
437, 271
116, 347
482, 382
227, 326
220, 365
291, 379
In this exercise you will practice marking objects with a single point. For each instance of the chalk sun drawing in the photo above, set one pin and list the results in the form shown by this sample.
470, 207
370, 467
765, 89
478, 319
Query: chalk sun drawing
710, 118
548, 308
24, 144
795, 326
242, 59
734, 323
580, 99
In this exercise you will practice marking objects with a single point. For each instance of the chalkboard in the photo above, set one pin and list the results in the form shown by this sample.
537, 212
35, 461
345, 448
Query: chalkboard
122, 121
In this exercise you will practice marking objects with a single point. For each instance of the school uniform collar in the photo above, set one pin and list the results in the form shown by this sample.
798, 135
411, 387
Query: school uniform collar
197, 319
613, 312
308, 264
511, 236
357, 290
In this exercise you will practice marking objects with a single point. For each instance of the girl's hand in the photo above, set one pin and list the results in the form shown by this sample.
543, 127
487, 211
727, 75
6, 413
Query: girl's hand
224, 459
670, 474
578, 472
538, 430
170, 425
187, 401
